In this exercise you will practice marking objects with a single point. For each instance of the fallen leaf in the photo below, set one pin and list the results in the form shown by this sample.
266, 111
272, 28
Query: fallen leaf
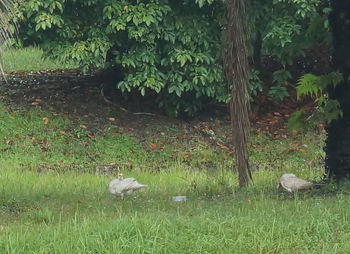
300, 150
112, 119
83, 126
46, 120
295, 132
44, 148
10, 142
223, 147
91, 135
186, 155
37, 102
153, 145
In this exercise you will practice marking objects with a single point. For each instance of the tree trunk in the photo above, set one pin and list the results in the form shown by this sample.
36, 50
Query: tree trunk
338, 139
237, 74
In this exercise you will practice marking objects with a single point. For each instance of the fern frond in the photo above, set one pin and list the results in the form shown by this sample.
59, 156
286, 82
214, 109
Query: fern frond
332, 78
313, 85
326, 110
309, 84
332, 110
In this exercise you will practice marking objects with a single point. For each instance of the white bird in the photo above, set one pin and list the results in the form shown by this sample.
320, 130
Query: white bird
292, 183
120, 186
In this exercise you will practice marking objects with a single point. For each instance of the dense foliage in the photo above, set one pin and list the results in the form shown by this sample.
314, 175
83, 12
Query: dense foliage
172, 49
326, 110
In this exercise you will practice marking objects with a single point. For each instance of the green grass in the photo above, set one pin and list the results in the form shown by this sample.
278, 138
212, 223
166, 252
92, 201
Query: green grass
29, 59
54, 200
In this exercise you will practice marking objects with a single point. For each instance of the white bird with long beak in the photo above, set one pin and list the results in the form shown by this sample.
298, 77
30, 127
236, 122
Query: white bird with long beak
120, 186
292, 183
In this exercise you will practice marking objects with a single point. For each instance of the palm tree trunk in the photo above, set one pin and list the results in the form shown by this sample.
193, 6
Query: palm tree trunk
338, 139
237, 74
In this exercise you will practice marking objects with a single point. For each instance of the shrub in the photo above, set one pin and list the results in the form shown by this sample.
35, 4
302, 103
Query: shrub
168, 48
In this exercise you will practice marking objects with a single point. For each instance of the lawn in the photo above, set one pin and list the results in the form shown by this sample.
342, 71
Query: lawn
54, 196
30, 58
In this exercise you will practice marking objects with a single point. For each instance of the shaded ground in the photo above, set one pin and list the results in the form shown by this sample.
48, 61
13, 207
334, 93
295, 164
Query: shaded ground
71, 93
78, 97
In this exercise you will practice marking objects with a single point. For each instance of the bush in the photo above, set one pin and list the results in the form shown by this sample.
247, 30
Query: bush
171, 48
165, 47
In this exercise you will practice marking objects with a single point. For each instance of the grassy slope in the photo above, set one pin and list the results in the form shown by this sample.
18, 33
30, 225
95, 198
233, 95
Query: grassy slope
30, 58
53, 200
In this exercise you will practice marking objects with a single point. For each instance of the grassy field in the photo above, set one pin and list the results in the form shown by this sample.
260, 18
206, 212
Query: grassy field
30, 58
54, 198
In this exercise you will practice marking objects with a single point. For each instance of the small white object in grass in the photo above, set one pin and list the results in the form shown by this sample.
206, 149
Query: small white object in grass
179, 198
124, 186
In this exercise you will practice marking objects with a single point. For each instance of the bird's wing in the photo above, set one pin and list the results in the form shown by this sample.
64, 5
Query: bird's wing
132, 184
127, 185
128, 180
302, 184
295, 184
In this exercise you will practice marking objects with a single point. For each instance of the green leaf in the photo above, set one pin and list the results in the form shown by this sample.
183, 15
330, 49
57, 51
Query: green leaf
142, 91
332, 110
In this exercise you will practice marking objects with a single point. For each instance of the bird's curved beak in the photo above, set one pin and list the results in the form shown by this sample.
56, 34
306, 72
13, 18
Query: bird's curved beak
278, 186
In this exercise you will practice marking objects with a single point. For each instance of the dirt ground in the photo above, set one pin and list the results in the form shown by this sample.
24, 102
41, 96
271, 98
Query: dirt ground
78, 97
